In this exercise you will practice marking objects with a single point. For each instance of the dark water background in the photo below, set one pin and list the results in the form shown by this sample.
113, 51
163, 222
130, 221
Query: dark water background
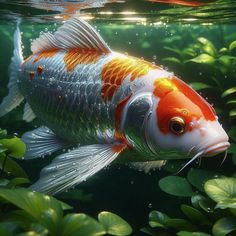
141, 29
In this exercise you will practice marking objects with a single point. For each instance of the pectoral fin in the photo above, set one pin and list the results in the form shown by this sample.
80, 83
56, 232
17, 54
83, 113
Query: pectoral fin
71, 168
40, 142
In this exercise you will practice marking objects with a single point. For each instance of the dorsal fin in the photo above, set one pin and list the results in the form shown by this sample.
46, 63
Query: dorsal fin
75, 33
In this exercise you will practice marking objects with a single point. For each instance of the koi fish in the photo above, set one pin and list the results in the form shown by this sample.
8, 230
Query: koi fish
68, 8
101, 106
181, 2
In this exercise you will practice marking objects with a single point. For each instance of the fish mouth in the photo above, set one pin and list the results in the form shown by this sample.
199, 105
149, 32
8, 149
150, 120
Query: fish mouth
216, 149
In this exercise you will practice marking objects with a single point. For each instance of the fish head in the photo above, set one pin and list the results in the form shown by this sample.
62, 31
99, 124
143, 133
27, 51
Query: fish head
182, 124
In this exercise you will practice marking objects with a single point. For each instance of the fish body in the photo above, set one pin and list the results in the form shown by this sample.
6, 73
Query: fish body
182, 2
102, 104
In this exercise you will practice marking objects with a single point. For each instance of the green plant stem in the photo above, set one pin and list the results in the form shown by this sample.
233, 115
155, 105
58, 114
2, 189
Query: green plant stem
3, 165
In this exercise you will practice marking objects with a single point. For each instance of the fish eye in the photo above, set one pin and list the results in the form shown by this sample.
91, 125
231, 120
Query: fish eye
177, 125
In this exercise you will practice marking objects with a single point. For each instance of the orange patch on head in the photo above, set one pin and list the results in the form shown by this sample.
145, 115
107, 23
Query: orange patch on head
46, 54
76, 56
115, 71
178, 99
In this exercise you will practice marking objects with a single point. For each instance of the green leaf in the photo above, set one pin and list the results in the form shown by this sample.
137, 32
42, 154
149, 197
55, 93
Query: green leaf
232, 134
232, 113
185, 233
153, 232
231, 102
175, 50
113, 224
12, 167
223, 50
224, 226
17, 181
38, 228
32, 202
195, 199
207, 46
199, 86
5, 230
226, 61
195, 215
189, 52
198, 177
3, 133
222, 191
172, 60
15, 147
203, 59
228, 92
156, 219
81, 224
51, 219
176, 186
232, 46
179, 224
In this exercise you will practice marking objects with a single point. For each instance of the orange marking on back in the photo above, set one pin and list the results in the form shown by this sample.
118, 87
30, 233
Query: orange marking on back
115, 71
178, 99
46, 54
76, 56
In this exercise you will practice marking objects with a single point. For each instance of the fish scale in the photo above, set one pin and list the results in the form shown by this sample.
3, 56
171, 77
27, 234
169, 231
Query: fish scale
80, 106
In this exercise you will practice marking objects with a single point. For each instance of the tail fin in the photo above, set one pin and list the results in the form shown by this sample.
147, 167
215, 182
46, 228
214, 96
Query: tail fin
14, 97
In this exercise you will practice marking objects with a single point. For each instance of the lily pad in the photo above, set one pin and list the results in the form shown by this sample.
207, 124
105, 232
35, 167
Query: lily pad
176, 186
186, 233
157, 219
198, 177
222, 191
195, 215
180, 224
113, 224
224, 226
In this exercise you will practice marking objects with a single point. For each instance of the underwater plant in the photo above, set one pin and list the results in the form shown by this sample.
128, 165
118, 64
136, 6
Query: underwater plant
24, 212
211, 210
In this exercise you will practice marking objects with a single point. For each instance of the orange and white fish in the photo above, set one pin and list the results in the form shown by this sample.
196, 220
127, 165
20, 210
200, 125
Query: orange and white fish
182, 2
103, 105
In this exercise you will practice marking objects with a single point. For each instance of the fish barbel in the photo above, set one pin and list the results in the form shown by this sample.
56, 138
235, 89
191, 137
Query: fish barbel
100, 105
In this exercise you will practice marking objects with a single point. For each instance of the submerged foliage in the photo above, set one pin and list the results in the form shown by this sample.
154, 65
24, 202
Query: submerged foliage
24, 212
203, 217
